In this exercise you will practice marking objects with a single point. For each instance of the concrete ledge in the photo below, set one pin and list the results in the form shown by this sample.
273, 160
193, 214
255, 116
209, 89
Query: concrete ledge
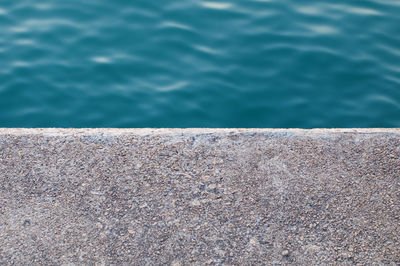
199, 196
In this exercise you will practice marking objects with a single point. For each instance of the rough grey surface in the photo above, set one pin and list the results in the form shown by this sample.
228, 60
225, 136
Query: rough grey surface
199, 196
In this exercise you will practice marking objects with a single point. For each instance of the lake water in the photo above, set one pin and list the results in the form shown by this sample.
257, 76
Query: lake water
193, 63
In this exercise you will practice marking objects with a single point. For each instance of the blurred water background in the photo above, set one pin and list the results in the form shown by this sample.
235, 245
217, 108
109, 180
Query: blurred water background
193, 63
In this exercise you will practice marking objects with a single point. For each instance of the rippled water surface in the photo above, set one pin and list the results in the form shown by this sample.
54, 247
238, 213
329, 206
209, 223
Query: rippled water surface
193, 63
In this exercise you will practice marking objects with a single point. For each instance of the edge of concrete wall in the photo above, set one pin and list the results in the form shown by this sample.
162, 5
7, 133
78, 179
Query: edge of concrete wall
167, 131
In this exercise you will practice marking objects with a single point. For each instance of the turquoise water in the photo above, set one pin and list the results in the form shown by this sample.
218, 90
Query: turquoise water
193, 63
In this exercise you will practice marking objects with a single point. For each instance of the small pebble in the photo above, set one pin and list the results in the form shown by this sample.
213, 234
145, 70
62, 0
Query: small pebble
212, 186
253, 241
206, 178
196, 202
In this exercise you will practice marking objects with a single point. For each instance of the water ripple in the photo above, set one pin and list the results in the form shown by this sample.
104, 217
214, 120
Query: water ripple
321, 29
172, 24
216, 5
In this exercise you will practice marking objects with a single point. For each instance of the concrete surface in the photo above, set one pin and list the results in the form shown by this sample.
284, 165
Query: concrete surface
199, 196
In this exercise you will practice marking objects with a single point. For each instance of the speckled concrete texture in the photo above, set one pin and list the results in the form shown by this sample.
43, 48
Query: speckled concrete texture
199, 196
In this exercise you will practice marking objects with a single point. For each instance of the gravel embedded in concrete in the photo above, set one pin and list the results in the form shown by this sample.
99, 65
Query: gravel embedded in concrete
199, 196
